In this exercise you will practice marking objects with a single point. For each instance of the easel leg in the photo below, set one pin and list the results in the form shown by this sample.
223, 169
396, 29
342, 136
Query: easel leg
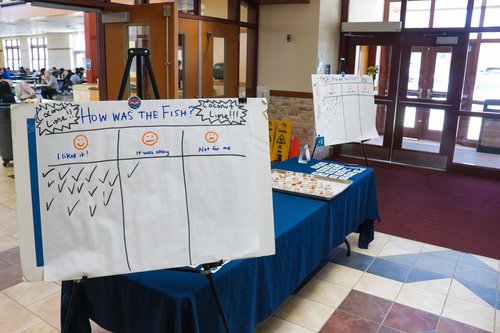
217, 300
208, 273
348, 245
125, 76
364, 151
72, 321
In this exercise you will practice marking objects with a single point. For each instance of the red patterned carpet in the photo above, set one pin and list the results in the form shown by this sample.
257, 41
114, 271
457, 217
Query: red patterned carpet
444, 209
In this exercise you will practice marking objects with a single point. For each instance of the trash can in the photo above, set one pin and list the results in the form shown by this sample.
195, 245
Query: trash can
5, 134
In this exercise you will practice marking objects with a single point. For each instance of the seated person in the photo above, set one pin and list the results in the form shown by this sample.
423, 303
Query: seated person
3, 79
24, 91
60, 73
54, 71
67, 83
6, 73
6, 95
52, 87
76, 78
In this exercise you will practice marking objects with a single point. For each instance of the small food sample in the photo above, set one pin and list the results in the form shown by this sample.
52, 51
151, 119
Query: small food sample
306, 184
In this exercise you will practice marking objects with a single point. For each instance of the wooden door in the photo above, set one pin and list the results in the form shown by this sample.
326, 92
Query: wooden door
219, 59
152, 26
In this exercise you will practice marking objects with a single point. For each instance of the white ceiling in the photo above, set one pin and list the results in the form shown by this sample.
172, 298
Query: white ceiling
42, 25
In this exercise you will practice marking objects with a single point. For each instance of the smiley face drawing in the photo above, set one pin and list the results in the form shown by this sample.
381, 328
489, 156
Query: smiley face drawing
211, 137
80, 142
150, 138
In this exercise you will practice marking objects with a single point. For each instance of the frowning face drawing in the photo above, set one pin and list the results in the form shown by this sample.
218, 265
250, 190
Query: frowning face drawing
211, 137
80, 142
150, 138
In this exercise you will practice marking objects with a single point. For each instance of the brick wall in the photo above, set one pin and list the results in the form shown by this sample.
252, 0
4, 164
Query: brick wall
300, 111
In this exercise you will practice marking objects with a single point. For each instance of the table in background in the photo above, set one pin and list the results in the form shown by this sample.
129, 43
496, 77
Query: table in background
250, 290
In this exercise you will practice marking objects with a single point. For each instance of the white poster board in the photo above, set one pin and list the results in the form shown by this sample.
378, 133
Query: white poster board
106, 188
344, 108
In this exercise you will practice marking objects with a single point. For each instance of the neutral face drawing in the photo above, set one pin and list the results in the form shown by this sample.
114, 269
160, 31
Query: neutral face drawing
150, 138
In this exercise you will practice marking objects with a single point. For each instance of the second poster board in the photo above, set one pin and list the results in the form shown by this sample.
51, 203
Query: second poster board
344, 108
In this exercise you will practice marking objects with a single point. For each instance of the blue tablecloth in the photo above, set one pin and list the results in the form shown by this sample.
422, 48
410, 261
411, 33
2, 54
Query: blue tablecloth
250, 290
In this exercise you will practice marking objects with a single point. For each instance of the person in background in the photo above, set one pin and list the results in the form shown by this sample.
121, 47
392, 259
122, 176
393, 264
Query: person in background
35, 73
66, 86
81, 72
54, 71
6, 74
3, 78
22, 71
60, 73
52, 87
6, 95
41, 76
24, 91
76, 78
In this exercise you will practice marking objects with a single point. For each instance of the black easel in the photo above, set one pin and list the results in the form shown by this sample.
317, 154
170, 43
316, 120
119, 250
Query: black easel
207, 271
206, 268
342, 70
138, 52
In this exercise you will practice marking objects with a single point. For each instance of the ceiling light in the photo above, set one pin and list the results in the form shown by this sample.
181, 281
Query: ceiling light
66, 7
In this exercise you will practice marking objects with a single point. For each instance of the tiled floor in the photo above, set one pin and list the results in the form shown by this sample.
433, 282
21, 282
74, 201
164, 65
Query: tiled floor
397, 285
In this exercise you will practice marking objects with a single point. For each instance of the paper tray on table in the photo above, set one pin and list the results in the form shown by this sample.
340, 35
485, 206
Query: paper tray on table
312, 186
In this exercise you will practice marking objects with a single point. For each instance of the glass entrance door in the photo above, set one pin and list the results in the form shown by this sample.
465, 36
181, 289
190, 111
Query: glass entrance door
424, 106
378, 54
413, 96
428, 79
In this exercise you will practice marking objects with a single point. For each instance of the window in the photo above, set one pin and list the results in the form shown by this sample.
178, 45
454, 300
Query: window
38, 49
12, 53
485, 13
215, 8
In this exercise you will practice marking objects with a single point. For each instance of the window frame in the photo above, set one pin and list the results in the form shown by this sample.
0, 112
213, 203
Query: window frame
38, 62
10, 51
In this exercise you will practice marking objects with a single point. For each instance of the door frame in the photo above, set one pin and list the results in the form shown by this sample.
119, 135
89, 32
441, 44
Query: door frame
444, 158
230, 33
392, 40
162, 19
397, 100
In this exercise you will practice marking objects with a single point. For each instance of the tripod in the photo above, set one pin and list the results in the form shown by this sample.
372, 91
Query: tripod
138, 53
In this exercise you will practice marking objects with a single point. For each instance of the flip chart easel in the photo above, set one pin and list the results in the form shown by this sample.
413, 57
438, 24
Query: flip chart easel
344, 108
114, 187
